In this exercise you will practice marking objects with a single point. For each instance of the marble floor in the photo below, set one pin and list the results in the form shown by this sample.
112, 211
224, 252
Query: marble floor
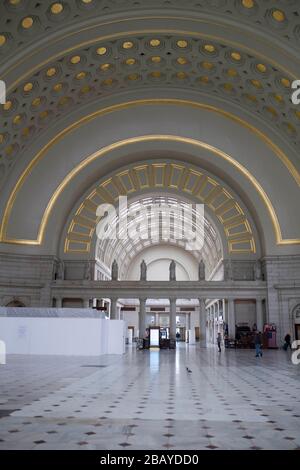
148, 400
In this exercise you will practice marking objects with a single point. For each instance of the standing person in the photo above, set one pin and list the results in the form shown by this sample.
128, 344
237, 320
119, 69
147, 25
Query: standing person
258, 342
219, 339
287, 340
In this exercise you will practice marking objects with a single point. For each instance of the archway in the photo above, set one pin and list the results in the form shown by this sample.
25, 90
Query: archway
15, 304
160, 228
296, 319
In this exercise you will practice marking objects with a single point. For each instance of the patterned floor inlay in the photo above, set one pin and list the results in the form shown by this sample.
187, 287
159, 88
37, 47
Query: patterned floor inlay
148, 400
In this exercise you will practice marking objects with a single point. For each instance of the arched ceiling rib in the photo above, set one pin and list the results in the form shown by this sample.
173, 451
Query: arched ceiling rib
147, 61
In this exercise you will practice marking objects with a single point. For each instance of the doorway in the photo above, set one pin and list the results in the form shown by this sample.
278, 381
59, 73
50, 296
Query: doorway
296, 316
180, 333
130, 334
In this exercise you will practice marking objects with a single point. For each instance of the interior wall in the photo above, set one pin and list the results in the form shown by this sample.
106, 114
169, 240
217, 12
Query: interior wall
245, 312
132, 319
72, 303
158, 259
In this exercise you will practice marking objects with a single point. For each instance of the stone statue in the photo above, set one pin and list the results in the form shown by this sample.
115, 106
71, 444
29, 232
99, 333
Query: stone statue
143, 271
87, 273
225, 271
201, 273
172, 271
60, 273
257, 271
228, 271
114, 271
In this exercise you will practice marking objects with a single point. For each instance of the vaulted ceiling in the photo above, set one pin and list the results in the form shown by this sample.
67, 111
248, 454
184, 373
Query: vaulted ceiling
100, 67
67, 60
135, 62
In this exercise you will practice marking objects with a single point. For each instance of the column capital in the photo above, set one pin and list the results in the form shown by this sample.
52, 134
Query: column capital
142, 299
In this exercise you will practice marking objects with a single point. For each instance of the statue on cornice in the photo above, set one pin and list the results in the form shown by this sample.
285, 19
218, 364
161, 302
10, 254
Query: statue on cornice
172, 271
87, 273
201, 273
257, 271
228, 271
114, 271
60, 273
143, 271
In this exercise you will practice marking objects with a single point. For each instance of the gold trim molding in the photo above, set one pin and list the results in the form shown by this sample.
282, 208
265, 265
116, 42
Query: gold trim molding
280, 154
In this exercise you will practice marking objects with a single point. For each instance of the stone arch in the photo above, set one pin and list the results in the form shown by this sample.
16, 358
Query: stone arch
153, 141
173, 176
16, 304
296, 313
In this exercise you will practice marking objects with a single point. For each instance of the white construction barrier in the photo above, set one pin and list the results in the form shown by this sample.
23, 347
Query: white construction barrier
2, 353
190, 336
71, 335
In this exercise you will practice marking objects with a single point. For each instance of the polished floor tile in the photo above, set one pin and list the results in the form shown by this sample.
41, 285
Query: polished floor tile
148, 400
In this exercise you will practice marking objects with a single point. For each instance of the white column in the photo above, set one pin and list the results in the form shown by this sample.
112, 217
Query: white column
172, 318
208, 322
267, 310
58, 302
120, 314
142, 318
202, 322
113, 309
259, 315
214, 322
231, 319
225, 319
225, 313
218, 317
188, 321
157, 319
86, 303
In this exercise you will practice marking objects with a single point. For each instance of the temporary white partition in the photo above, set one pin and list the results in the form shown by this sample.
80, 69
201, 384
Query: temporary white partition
71, 336
190, 336
2, 352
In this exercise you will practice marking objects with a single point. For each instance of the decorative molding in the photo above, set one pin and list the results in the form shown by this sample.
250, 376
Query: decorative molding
278, 23
54, 88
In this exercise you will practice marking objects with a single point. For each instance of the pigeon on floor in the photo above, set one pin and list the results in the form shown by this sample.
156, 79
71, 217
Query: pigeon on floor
188, 370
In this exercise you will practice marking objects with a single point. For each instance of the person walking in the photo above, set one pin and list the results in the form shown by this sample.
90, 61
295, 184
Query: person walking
287, 343
219, 339
258, 343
